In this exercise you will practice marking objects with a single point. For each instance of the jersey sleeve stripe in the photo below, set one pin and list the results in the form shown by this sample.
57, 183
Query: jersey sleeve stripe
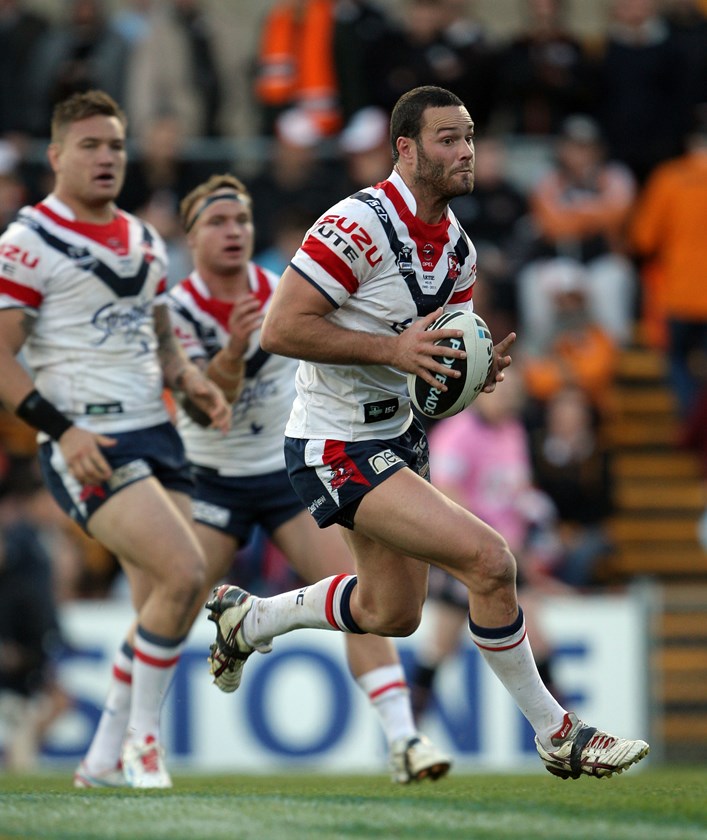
331, 262
22, 294
316, 285
461, 296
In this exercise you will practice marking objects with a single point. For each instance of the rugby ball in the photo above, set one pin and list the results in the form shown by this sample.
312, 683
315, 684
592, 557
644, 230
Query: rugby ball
463, 390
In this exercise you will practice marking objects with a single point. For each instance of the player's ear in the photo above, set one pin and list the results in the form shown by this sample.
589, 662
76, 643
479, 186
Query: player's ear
405, 147
53, 151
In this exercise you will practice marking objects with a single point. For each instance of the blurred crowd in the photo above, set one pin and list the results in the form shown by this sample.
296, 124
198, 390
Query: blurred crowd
589, 216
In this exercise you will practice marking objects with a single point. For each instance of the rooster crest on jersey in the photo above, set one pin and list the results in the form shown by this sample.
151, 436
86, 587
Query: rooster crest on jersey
461, 391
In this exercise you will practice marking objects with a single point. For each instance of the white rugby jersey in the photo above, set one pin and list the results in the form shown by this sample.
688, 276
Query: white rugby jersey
382, 268
92, 288
254, 444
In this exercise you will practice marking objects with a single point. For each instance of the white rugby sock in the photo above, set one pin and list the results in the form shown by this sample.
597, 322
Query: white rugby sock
507, 650
156, 659
104, 751
324, 605
389, 695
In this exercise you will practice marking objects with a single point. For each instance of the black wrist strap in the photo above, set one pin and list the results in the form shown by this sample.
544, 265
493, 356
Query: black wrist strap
42, 415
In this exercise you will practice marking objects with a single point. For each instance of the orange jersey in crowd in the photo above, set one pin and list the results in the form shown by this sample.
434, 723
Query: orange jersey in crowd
670, 225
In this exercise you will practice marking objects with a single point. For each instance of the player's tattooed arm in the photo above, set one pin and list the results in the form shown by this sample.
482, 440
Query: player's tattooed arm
201, 397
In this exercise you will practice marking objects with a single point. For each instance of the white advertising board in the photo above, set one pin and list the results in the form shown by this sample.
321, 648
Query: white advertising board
298, 707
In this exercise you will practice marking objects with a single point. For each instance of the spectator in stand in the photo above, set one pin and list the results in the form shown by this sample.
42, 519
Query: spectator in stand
687, 22
639, 75
441, 43
578, 352
20, 28
668, 233
80, 53
295, 64
572, 465
291, 223
579, 209
363, 34
295, 174
480, 459
173, 69
544, 73
497, 212
365, 145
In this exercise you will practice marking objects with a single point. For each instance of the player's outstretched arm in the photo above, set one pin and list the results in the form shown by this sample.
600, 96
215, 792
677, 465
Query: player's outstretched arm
296, 325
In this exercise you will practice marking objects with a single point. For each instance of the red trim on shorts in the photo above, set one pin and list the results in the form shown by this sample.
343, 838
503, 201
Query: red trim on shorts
389, 687
506, 647
329, 606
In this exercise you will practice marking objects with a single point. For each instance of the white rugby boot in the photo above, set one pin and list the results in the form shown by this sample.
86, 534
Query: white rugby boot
417, 758
229, 605
143, 764
84, 778
581, 750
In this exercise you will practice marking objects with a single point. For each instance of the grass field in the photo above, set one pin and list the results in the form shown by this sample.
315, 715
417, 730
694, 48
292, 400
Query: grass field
656, 804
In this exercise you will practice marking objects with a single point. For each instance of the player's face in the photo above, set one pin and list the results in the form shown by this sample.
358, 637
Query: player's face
445, 152
89, 161
222, 239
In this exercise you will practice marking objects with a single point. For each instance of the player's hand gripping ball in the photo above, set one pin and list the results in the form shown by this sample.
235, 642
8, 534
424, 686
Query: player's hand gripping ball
463, 390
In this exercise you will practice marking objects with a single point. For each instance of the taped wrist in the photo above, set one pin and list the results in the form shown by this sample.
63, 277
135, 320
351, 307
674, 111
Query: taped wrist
42, 415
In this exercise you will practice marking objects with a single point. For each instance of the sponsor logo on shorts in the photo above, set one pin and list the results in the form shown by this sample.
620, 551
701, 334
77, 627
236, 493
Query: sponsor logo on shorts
382, 461
210, 514
316, 504
128, 473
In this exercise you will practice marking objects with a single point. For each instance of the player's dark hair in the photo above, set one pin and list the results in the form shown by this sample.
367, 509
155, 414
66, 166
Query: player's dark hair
406, 119
212, 185
81, 106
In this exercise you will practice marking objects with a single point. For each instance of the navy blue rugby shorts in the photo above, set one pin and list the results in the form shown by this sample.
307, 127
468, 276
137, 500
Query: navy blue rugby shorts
156, 451
235, 505
331, 477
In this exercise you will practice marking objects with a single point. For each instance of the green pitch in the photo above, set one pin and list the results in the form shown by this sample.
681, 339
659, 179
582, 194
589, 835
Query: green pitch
656, 804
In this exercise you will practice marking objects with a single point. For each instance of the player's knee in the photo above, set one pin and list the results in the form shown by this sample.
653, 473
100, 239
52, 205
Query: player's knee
399, 623
188, 581
494, 566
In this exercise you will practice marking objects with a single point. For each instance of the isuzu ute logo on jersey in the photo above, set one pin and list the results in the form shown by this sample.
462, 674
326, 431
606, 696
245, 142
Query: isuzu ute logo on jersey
14, 253
360, 238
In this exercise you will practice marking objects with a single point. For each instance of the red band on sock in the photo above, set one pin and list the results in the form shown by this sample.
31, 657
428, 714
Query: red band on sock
329, 607
507, 647
122, 676
156, 663
388, 687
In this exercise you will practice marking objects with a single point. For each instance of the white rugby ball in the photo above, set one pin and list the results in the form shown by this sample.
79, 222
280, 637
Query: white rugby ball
463, 390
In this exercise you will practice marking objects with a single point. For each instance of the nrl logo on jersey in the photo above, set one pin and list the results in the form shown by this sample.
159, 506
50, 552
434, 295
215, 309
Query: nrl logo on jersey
404, 261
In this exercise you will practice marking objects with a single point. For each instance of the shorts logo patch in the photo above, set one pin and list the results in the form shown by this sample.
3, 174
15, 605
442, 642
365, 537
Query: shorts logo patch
382, 461
210, 514
128, 473
339, 476
317, 503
